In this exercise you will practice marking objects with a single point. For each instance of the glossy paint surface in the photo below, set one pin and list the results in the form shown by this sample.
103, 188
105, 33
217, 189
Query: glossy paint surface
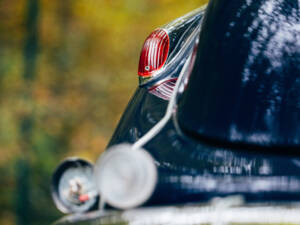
193, 171
245, 87
143, 112
190, 170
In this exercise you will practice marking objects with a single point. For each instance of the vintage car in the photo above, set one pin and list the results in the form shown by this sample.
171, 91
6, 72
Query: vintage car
216, 115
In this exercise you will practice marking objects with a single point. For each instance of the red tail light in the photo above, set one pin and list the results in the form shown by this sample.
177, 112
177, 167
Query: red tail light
154, 53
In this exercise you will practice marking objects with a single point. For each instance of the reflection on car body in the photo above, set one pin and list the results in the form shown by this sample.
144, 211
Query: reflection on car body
216, 114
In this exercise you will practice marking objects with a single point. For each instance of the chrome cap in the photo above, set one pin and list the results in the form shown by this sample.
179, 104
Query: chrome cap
125, 177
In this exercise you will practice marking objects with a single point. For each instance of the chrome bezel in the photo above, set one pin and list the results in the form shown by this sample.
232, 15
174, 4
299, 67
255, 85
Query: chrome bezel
62, 168
182, 50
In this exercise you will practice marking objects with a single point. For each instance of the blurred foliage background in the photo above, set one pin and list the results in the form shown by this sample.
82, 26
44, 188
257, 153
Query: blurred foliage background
67, 71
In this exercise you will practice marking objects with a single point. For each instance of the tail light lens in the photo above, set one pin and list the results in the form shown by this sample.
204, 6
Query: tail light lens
154, 52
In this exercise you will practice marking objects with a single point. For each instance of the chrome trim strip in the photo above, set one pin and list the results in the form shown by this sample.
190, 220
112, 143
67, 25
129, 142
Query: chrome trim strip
230, 210
170, 26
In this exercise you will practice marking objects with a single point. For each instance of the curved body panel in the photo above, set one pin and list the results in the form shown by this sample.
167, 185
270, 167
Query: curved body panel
240, 103
247, 75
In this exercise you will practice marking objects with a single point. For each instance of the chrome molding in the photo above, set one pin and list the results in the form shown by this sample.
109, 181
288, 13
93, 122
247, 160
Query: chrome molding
229, 210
